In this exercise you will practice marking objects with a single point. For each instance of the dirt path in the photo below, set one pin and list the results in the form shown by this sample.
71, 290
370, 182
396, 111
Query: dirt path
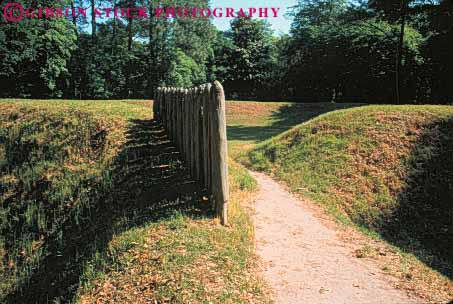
305, 260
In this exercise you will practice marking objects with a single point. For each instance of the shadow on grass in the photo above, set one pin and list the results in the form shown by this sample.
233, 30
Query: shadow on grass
148, 178
285, 118
423, 222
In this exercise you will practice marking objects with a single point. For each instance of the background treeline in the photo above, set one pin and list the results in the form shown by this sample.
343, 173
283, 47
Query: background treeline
337, 50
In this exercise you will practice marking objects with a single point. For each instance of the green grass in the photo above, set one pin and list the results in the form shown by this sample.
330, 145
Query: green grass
55, 160
385, 169
88, 198
182, 259
89, 188
250, 123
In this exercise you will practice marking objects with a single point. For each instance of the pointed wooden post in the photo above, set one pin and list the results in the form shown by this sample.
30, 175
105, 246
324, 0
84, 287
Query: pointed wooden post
195, 121
219, 152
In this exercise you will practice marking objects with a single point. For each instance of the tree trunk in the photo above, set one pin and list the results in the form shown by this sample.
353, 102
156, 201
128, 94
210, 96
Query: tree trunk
114, 31
399, 52
74, 62
129, 49
130, 21
93, 20
74, 18
151, 57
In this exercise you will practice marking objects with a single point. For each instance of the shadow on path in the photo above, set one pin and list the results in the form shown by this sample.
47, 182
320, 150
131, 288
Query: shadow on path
148, 178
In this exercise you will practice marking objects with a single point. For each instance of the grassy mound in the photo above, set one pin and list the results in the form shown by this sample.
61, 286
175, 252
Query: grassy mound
249, 123
54, 166
388, 169
84, 184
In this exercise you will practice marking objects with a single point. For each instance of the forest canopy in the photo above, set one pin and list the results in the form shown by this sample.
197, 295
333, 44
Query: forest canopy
336, 51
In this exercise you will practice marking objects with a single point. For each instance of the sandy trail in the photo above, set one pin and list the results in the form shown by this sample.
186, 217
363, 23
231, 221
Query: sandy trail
306, 262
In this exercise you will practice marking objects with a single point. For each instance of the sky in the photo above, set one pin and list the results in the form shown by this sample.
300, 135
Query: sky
280, 25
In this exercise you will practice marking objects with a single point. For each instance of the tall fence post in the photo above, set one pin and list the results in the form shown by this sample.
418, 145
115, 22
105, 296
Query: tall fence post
219, 152
195, 121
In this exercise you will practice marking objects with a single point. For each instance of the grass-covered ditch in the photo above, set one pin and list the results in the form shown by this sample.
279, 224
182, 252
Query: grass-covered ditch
385, 169
93, 192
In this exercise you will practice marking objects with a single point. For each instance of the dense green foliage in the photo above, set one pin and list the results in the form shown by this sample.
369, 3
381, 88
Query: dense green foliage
353, 63
251, 59
345, 52
383, 52
34, 56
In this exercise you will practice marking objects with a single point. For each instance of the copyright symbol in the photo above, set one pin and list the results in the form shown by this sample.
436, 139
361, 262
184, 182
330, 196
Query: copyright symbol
10, 9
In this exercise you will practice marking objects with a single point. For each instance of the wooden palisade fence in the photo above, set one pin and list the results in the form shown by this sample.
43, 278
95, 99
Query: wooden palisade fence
195, 121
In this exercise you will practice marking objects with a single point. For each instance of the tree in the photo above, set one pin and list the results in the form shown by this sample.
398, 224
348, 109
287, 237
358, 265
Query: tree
437, 52
343, 59
195, 38
34, 55
367, 51
251, 58
218, 64
309, 13
412, 11
184, 71
395, 10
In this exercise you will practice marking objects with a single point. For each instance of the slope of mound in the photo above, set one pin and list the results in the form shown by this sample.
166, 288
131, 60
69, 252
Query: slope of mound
89, 191
385, 168
55, 160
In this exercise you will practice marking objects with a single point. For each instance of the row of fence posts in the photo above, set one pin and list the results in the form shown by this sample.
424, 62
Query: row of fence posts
195, 121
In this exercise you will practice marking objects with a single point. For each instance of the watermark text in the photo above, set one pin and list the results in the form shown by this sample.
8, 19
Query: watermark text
15, 12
